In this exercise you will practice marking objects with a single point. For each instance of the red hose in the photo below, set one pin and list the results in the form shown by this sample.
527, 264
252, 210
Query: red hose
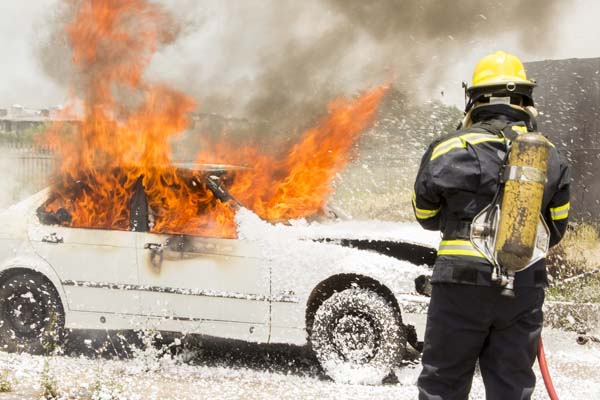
545, 372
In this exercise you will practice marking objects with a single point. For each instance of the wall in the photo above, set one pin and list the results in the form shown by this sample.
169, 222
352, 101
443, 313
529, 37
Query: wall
568, 96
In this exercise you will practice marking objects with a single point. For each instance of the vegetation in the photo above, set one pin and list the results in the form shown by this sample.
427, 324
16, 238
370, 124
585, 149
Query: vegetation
51, 337
5, 381
583, 290
48, 384
105, 388
577, 253
24, 137
574, 266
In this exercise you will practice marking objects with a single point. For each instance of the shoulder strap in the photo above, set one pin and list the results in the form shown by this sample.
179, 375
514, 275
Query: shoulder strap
495, 126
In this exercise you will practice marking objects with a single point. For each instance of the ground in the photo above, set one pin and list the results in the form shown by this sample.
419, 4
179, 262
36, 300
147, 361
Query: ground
233, 370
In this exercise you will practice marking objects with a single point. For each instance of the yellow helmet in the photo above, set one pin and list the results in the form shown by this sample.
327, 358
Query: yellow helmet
499, 69
499, 84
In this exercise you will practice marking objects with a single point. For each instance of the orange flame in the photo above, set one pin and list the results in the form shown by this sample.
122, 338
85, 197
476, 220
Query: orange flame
298, 185
118, 143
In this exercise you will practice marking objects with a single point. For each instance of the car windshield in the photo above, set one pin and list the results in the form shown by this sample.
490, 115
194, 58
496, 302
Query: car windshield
173, 201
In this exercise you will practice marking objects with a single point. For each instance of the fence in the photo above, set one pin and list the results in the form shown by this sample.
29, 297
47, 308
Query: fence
26, 168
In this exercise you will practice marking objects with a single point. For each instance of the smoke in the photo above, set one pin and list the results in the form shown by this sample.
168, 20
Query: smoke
280, 62
390, 20
424, 37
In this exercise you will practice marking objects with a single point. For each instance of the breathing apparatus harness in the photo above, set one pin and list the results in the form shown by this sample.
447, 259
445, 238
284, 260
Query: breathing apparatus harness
511, 232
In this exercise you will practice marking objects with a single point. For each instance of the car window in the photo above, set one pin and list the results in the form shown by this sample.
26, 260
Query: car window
79, 204
187, 206
169, 201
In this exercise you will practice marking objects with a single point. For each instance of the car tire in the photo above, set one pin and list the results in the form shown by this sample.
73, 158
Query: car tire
31, 315
358, 337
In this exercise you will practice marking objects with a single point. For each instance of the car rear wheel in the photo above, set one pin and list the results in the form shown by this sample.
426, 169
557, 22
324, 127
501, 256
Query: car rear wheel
31, 314
358, 337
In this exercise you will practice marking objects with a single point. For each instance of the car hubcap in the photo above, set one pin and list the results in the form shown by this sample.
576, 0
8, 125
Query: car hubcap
25, 313
355, 338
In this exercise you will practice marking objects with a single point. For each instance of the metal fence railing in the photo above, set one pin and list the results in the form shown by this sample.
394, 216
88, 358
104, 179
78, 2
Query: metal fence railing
26, 168
33, 164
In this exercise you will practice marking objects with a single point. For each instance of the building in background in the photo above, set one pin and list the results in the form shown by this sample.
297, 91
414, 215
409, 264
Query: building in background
17, 119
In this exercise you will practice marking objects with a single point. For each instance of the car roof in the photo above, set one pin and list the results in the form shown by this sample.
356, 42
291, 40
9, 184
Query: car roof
208, 167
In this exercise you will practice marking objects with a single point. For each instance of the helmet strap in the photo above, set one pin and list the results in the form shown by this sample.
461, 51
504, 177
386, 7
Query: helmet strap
465, 86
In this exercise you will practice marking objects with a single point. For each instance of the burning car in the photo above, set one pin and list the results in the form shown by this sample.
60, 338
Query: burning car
253, 281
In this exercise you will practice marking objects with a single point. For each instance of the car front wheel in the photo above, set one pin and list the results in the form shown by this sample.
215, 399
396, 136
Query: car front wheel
358, 337
31, 314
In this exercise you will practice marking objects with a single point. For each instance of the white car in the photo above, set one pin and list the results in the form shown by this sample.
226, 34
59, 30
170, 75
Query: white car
273, 283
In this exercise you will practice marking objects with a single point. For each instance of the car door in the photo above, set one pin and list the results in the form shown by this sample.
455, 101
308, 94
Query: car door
97, 268
222, 284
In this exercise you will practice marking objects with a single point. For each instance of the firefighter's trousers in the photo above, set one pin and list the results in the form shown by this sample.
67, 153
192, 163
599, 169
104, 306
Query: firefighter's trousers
468, 323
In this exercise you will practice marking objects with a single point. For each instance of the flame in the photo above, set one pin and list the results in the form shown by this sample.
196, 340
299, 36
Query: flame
298, 184
127, 125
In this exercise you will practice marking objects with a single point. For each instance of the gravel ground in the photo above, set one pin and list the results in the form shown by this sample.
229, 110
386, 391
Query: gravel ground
234, 370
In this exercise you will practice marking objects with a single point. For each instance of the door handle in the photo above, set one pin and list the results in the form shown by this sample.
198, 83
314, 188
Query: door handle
156, 256
52, 238
156, 247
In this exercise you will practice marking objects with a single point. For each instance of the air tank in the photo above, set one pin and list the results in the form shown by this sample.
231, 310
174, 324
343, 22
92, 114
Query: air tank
525, 176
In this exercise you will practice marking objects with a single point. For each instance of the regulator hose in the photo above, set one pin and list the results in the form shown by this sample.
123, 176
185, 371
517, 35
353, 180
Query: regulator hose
545, 373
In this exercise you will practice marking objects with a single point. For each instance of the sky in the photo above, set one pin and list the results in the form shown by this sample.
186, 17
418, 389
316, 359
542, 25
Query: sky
22, 28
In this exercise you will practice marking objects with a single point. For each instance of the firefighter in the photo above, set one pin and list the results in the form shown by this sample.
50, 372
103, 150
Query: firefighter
469, 319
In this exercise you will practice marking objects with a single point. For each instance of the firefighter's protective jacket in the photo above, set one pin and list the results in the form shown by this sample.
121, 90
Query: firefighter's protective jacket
459, 176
